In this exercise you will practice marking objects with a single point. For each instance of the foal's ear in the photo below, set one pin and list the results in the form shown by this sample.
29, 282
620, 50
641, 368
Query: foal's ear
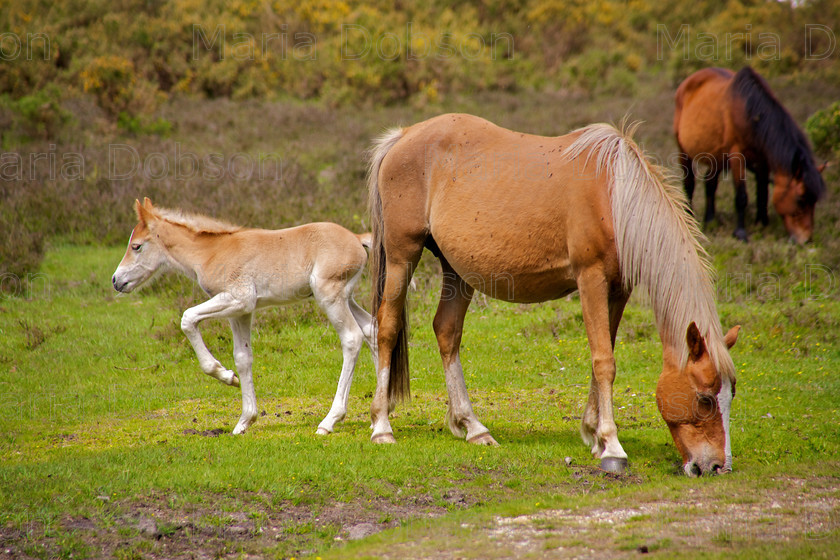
144, 213
731, 337
696, 344
147, 204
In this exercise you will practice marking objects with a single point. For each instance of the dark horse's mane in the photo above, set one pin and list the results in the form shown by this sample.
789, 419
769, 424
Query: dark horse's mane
776, 134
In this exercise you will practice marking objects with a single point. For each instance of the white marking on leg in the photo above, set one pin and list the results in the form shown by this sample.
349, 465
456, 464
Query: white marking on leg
244, 358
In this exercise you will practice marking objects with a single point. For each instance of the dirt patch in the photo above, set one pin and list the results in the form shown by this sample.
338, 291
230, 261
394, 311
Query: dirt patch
215, 527
698, 522
206, 433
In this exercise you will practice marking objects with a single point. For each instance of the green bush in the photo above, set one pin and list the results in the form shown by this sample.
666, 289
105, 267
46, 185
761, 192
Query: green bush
824, 129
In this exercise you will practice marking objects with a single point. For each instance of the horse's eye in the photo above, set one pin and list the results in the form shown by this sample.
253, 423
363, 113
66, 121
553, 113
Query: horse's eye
136, 246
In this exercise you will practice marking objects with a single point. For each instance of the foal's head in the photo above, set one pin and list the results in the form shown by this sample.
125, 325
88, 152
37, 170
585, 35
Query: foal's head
143, 257
695, 401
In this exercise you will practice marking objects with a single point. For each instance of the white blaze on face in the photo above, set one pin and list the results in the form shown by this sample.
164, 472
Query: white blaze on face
725, 405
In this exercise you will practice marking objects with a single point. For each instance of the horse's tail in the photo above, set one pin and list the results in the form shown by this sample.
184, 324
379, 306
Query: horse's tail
398, 385
657, 239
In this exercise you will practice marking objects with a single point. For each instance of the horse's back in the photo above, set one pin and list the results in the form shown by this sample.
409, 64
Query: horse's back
501, 206
702, 123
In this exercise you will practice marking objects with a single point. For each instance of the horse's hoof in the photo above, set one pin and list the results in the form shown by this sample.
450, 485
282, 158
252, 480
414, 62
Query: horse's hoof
741, 234
234, 382
615, 465
383, 438
322, 432
483, 439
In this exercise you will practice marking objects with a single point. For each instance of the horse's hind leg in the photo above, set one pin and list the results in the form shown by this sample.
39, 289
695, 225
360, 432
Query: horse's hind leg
398, 272
762, 179
688, 177
334, 299
244, 358
711, 181
738, 169
449, 324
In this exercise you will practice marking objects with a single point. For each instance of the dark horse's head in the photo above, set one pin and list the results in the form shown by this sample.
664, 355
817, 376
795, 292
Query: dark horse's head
795, 193
798, 183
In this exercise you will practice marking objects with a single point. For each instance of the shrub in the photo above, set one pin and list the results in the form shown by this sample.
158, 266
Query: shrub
824, 129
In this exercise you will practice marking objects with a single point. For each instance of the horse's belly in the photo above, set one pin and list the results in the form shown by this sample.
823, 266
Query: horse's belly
516, 272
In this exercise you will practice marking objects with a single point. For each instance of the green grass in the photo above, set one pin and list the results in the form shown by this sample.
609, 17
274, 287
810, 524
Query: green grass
95, 414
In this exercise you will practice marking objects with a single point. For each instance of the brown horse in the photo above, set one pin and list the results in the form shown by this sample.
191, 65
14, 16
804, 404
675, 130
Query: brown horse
733, 121
528, 218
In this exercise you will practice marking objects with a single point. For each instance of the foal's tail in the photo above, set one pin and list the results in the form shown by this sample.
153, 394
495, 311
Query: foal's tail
398, 385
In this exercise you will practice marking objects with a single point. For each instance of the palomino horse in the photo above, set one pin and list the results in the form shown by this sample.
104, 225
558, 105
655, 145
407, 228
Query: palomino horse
528, 218
248, 269
733, 121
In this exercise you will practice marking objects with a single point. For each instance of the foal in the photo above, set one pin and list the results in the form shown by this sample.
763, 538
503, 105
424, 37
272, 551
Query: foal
248, 269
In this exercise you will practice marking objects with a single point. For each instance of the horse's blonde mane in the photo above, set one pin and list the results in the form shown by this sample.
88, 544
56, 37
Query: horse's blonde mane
195, 222
657, 239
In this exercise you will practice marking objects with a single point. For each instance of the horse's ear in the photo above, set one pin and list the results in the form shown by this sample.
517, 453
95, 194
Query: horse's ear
731, 337
696, 344
144, 211
147, 204
822, 167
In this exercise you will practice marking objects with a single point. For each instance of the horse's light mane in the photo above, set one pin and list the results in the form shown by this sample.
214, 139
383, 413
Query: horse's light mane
658, 241
196, 223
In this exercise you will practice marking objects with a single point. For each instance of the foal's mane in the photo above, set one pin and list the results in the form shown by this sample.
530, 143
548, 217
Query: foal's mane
196, 223
657, 239
776, 134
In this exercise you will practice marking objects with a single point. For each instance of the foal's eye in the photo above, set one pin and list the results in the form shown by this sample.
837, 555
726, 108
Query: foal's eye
136, 246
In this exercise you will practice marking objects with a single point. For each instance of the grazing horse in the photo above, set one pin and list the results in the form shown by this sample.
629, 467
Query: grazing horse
248, 269
527, 218
733, 121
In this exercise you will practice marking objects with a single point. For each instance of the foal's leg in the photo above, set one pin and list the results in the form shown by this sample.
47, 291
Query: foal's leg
333, 299
589, 426
449, 325
244, 358
223, 305
365, 322
594, 296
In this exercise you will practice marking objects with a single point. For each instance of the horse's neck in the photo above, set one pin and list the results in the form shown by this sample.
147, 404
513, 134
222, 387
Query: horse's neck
186, 253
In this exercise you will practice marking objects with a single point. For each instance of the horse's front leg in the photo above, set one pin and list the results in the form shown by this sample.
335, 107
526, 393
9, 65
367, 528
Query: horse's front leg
589, 426
762, 180
594, 297
738, 170
243, 356
222, 305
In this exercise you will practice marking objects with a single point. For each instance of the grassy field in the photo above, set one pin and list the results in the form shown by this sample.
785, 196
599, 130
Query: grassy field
113, 443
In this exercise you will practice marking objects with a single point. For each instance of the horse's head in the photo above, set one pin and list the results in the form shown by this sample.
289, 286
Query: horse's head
794, 199
143, 257
694, 401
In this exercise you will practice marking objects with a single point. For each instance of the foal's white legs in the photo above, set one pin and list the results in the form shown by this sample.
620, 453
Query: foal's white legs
354, 326
243, 356
222, 305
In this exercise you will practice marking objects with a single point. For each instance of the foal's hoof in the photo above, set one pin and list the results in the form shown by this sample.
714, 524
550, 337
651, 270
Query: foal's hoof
322, 432
614, 465
483, 439
234, 381
741, 234
383, 438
